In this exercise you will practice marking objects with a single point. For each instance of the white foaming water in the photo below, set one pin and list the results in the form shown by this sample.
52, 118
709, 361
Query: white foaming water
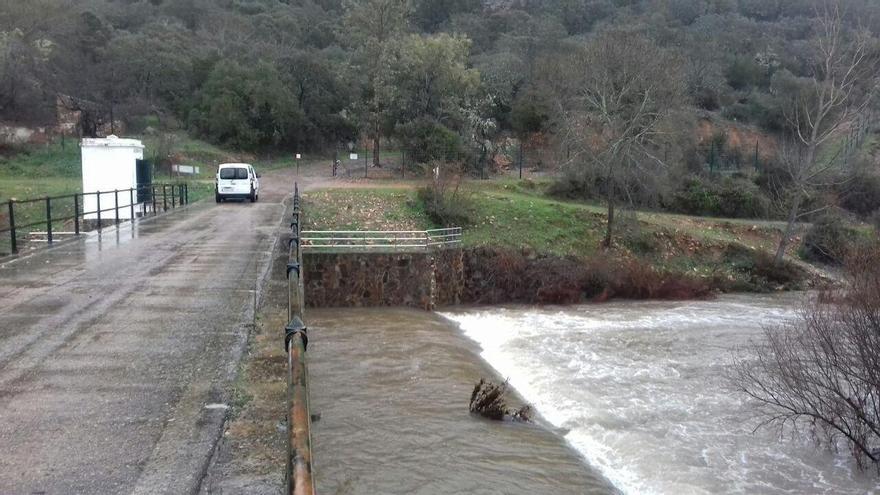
640, 389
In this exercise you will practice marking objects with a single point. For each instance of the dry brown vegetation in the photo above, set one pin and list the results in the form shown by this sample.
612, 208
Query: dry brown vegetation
821, 372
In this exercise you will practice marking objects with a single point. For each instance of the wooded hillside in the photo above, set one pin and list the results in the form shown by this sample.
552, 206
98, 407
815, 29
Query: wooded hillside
310, 73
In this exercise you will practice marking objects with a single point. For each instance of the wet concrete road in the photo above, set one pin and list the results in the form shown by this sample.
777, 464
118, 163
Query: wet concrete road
114, 349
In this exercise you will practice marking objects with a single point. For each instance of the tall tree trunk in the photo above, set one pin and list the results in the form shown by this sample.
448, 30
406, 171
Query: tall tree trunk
789, 229
378, 136
609, 230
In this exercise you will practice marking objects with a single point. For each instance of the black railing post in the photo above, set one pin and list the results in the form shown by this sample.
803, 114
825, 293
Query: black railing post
98, 194
186, 192
173, 190
153, 197
49, 219
164, 198
116, 204
76, 214
13, 245
131, 203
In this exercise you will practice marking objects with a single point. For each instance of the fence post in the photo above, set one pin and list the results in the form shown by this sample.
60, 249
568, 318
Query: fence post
520, 159
99, 210
173, 204
153, 197
756, 155
186, 192
403, 164
164, 198
13, 245
49, 219
131, 203
76, 214
116, 204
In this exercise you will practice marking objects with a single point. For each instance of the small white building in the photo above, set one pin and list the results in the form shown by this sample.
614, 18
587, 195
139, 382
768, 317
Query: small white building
108, 165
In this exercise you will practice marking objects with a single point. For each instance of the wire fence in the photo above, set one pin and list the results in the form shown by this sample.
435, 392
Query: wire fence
395, 161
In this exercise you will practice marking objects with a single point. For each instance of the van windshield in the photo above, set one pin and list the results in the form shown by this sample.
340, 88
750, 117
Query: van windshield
233, 173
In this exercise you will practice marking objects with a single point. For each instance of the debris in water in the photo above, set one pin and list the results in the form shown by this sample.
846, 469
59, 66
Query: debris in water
216, 406
488, 401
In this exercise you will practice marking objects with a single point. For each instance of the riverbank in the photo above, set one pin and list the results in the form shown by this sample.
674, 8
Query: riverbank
524, 247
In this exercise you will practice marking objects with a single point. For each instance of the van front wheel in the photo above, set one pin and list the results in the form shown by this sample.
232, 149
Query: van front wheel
253, 197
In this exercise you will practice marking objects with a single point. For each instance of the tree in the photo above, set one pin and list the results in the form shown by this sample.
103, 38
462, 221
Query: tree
821, 372
622, 89
371, 28
432, 89
248, 107
841, 86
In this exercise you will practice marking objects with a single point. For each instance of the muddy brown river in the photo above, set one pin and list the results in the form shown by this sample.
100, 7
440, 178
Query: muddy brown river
392, 387
632, 396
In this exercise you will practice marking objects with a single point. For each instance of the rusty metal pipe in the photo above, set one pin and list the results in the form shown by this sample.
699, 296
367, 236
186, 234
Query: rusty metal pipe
300, 480
299, 447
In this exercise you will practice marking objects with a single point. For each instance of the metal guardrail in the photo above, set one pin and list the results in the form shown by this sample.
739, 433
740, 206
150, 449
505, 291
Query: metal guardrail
139, 200
300, 480
377, 240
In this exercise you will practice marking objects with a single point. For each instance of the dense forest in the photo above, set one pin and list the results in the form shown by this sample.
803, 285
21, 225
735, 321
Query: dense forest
448, 79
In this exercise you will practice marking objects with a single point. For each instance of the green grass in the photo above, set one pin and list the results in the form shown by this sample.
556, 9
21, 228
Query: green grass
514, 215
364, 209
515, 220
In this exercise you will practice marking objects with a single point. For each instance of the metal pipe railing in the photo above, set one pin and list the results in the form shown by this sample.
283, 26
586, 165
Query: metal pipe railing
300, 479
381, 240
50, 217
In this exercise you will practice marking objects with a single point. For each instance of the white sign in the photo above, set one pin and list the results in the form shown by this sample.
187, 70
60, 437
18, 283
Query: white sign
298, 156
353, 156
186, 169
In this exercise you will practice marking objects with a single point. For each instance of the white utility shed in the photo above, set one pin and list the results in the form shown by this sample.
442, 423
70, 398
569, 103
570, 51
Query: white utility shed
109, 164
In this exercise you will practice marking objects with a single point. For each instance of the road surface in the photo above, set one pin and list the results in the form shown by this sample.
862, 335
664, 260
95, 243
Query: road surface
117, 351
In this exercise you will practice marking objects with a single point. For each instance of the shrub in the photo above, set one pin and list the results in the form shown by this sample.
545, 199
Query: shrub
732, 198
760, 269
695, 198
862, 195
443, 201
828, 240
738, 198
818, 373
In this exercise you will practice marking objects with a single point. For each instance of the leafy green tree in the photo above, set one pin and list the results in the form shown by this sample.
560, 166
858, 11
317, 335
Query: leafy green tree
248, 107
371, 28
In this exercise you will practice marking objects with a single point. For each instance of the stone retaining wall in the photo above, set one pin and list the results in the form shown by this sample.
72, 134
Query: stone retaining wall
420, 280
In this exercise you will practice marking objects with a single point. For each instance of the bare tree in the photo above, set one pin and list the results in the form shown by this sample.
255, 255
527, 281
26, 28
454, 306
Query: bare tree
624, 88
843, 82
822, 372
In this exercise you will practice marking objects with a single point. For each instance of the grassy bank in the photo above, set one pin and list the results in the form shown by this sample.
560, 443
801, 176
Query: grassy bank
517, 217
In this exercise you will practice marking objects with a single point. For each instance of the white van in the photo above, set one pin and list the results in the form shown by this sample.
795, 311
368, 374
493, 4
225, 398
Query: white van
237, 181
